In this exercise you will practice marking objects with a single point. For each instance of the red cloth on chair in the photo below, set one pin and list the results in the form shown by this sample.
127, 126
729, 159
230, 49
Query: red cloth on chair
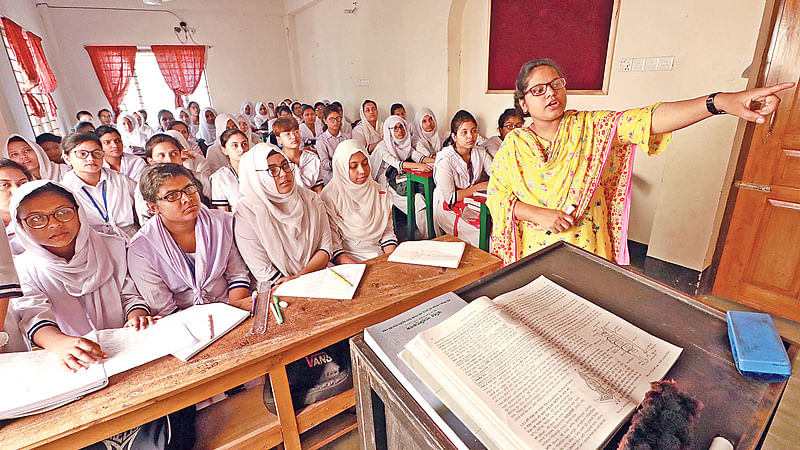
182, 66
47, 80
16, 39
114, 68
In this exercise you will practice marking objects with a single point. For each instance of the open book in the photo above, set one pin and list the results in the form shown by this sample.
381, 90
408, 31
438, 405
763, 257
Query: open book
539, 367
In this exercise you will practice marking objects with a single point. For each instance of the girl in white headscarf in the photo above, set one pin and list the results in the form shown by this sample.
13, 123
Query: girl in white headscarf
185, 116
129, 129
214, 155
248, 111
461, 170
369, 132
281, 229
207, 127
247, 129
426, 138
33, 157
359, 209
391, 157
262, 115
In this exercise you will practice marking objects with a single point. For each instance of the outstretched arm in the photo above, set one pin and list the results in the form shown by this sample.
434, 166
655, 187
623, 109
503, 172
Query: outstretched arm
753, 105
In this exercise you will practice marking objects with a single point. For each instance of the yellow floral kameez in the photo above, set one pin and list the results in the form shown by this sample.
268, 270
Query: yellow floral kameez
581, 167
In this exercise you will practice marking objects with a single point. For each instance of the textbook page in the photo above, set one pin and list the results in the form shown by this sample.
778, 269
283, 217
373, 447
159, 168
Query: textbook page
325, 283
128, 348
567, 379
429, 253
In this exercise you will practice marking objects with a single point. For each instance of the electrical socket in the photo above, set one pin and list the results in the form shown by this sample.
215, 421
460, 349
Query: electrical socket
625, 65
665, 63
650, 64
637, 64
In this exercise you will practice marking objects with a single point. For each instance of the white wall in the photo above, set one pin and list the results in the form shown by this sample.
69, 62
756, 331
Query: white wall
434, 53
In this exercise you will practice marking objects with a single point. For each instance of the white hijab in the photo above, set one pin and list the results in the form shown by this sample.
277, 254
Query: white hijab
372, 135
190, 124
92, 278
289, 226
214, 155
48, 170
359, 210
250, 116
429, 140
259, 118
207, 132
251, 136
399, 148
137, 137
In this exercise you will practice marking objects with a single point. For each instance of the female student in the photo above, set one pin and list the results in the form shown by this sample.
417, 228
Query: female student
347, 128
31, 156
194, 113
397, 109
509, 121
115, 158
170, 147
583, 159
392, 155
359, 209
225, 193
207, 128
281, 230
247, 111
143, 126
51, 144
426, 138
191, 154
310, 127
262, 115
164, 118
369, 131
185, 255
307, 175
12, 176
106, 195
457, 174
186, 117
214, 155
329, 140
244, 126
132, 135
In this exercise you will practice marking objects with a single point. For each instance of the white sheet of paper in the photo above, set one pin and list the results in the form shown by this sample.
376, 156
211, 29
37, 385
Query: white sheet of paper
429, 253
324, 283
224, 318
128, 348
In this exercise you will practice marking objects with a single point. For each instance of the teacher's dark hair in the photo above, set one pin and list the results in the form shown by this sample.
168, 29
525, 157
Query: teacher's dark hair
522, 79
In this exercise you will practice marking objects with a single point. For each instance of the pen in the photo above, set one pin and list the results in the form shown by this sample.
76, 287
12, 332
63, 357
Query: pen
211, 325
341, 277
276, 309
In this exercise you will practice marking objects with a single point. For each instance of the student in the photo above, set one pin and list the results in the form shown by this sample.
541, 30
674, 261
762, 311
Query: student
347, 128
329, 140
11, 339
105, 195
398, 109
271, 114
244, 126
307, 175
143, 126
247, 111
51, 144
393, 154
106, 117
281, 230
225, 193
170, 147
84, 116
309, 128
369, 131
12, 176
359, 209
185, 116
115, 158
84, 126
194, 114
508, 122
164, 118
206, 130
33, 158
457, 173
318, 109
426, 137
282, 111
262, 115
214, 155
192, 154
185, 255
132, 135
297, 111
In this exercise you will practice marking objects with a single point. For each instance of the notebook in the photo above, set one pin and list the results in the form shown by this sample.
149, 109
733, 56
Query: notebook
128, 348
325, 283
224, 318
429, 253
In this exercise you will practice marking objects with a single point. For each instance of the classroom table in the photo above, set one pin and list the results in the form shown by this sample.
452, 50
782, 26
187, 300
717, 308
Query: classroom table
424, 179
167, 384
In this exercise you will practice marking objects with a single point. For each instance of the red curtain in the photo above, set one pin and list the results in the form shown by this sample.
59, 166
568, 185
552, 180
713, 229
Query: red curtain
25, 59
114, 68
47, 80
182, 66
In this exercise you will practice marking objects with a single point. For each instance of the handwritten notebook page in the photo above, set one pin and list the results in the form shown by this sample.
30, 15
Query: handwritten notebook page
128, 348
429, 253
325, 283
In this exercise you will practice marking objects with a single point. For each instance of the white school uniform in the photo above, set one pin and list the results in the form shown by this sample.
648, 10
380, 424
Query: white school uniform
131, 166
143, 212
225, 187
450, 174
326, 146
109, 205
308, 174
10, 288
307, 136
492, 144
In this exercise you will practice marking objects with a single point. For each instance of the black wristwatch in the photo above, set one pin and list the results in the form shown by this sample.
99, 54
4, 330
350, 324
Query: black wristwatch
710, 105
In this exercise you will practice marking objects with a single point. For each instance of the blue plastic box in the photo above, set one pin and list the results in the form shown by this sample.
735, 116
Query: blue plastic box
757, 347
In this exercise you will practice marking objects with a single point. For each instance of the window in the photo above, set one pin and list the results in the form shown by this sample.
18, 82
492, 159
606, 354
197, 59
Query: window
46, 124
148, 90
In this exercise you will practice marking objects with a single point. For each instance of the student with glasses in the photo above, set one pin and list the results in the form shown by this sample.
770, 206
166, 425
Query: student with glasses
329, 140
567, 176
105, 194
509, 121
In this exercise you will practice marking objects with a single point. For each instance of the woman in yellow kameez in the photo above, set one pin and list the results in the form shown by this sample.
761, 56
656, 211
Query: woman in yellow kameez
568, 175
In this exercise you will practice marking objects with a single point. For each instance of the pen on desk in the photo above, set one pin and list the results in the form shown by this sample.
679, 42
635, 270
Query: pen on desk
211, 325
341, 277
276, 309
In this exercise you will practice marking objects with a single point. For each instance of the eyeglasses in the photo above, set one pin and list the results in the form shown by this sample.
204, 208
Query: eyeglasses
62, 215
275, 171
539, 89
509, 126
174, 196
334, 119
399, 127
83, 154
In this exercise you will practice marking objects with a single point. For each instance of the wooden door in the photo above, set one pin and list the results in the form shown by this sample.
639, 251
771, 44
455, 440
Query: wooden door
760, 263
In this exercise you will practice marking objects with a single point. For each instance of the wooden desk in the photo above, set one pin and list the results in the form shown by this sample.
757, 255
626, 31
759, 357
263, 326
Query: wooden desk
734, 407
166, 385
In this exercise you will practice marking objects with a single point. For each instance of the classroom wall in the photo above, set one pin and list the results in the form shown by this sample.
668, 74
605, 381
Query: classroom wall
441, 46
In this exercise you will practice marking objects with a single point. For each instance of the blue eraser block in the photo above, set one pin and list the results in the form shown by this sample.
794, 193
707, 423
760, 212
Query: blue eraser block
757, 347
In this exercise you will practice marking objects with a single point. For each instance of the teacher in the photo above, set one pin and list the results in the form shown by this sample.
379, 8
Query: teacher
568, 175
